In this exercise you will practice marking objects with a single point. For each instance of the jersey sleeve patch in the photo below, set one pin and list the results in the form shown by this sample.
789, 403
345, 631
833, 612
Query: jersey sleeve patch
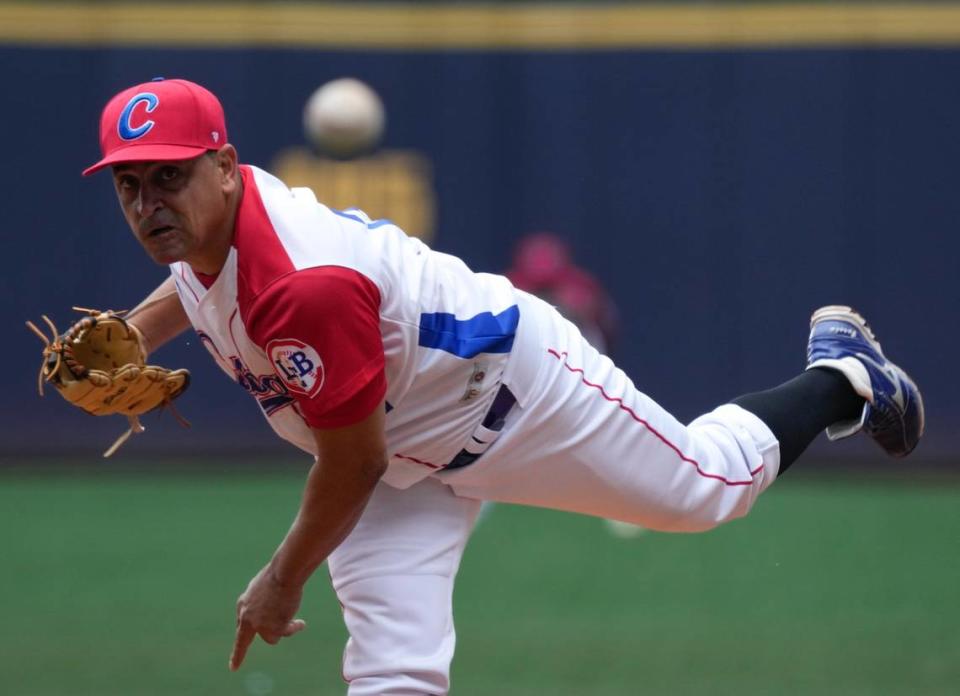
320, 329
298, 365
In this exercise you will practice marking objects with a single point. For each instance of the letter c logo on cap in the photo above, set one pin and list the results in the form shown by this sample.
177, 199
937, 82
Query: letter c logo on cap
125, 128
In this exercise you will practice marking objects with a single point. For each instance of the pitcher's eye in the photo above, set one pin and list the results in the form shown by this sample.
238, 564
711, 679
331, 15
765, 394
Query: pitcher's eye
126, 183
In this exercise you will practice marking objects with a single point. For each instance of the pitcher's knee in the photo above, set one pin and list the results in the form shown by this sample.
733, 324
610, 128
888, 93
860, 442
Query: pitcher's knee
733, 457
703, 514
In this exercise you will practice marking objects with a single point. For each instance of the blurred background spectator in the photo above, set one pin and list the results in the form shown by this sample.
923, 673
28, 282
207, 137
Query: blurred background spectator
542, 265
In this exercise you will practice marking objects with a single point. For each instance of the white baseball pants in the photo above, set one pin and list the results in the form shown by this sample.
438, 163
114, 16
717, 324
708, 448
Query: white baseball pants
581, 438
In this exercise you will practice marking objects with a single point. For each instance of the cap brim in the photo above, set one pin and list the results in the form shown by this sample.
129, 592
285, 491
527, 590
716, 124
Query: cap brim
153, 152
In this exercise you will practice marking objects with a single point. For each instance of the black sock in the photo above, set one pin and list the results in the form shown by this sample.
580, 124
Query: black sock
798, 410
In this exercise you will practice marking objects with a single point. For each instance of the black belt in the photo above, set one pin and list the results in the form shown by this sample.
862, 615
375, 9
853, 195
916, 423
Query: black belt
493, 421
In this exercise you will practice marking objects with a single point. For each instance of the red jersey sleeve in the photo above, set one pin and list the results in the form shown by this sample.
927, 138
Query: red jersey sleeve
320, 329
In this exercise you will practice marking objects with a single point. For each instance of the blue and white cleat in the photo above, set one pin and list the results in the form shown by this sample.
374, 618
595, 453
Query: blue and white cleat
893, 415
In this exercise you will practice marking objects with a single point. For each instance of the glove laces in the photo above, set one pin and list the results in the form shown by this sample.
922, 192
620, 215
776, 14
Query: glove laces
52, 352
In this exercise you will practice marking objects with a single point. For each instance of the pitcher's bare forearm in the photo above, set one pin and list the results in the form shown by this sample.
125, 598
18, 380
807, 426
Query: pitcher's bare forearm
331, 508
160, 317
350, 462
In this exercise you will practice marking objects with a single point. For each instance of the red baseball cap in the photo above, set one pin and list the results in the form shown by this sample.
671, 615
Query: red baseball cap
160, 120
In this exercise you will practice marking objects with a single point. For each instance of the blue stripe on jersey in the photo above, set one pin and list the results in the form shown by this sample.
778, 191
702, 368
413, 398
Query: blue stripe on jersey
344, 214
465, 338
358, 215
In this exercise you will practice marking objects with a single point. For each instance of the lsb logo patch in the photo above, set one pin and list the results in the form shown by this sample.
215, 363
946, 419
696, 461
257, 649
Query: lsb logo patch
297, 364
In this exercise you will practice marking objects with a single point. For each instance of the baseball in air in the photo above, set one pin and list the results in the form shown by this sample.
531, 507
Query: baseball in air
344, 118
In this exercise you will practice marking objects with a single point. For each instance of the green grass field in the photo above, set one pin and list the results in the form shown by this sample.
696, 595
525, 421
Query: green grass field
125, 584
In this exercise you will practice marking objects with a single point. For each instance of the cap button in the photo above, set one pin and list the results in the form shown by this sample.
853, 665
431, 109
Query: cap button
158, 79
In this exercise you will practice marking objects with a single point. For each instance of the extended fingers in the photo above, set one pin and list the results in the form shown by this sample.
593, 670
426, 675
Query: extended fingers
246, 633
245, 636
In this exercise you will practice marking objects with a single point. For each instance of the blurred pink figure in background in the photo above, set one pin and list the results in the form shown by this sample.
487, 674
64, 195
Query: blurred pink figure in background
543, 266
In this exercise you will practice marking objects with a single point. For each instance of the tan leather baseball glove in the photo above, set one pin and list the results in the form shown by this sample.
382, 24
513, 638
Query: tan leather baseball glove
99, 365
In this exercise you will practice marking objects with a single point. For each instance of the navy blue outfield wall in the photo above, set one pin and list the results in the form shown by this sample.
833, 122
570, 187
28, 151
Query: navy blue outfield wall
721, 196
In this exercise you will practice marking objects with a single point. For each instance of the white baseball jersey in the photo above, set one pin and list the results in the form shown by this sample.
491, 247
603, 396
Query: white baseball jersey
321, 314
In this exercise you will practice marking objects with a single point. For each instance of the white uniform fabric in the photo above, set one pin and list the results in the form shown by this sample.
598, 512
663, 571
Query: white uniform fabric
436, 395
584, 439
394, 577
581, 438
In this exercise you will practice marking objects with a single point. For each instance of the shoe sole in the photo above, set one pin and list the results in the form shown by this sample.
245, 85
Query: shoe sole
844, 313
